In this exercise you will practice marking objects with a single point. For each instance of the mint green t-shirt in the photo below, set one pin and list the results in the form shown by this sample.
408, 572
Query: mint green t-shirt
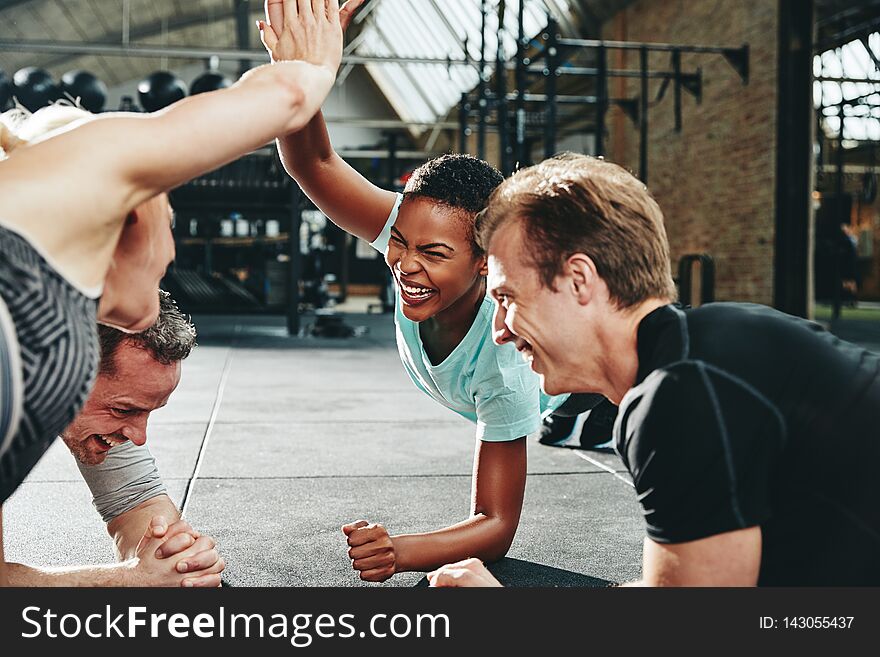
488, 384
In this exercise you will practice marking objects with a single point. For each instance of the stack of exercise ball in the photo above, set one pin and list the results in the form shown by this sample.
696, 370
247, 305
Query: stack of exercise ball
159, 90
209, 81
85, 89
34, 88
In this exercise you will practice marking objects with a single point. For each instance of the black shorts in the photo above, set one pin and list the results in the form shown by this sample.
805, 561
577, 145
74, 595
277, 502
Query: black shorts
49, 334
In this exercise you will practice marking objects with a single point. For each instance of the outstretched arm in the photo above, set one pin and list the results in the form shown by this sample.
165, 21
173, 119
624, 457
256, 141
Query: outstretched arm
103, 169
152, 564
351, 201
498, 489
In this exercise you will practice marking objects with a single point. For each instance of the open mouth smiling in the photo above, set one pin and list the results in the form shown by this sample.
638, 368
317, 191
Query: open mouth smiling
525, 350
107, 442
414, 294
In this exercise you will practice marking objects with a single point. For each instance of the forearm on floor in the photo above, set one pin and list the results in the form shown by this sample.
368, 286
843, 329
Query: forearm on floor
117, 574
480, 536
127, 529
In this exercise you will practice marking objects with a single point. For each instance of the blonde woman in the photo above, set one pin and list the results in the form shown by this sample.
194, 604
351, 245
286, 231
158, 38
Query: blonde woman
85, 224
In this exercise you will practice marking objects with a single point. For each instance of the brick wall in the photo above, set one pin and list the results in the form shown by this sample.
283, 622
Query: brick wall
715, 180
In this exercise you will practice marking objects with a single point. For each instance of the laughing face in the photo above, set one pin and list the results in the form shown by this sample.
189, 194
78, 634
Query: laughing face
544, 325
120, 404
431, 256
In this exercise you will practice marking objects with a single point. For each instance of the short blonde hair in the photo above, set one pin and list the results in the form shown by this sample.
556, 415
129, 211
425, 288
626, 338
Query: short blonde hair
580, 204
19, 126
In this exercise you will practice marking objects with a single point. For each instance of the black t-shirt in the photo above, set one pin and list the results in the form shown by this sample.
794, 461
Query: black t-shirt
744, 416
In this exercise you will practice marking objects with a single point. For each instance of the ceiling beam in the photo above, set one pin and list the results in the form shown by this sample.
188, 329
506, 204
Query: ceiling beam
846, 14
863, 29
871, 53
154, 28
9, 4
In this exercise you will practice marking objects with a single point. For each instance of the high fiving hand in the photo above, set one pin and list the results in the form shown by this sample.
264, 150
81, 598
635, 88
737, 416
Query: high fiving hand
307, 30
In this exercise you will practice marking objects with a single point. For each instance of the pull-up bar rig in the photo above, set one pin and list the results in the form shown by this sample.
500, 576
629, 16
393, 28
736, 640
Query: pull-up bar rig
553, 66
547, 64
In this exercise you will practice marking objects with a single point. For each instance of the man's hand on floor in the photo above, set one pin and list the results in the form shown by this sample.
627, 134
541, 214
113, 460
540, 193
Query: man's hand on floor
175, 555
470, 572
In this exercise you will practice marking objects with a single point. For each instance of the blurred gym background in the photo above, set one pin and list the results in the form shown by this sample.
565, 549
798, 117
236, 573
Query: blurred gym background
755, 124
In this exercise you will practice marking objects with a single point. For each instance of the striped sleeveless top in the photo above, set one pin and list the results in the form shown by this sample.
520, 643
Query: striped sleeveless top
48, 331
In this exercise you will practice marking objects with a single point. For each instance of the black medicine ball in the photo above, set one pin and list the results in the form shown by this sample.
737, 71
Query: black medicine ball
82, 85
159, 90
34, 87
209, 81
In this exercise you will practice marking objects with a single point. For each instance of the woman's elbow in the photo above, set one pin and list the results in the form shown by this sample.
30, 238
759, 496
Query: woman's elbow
496, 553
502, 539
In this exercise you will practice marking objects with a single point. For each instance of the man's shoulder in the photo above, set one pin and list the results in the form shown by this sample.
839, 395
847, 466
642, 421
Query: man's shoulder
748, 326
666, 394
672, 404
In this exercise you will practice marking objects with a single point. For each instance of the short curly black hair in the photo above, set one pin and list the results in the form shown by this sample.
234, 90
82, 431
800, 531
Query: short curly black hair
460, 182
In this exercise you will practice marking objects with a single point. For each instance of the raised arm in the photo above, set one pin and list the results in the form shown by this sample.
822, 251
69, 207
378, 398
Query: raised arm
351, 201
498, 489
103, 169
206, 131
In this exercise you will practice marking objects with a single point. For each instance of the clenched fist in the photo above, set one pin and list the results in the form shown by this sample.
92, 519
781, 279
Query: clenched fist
371, 551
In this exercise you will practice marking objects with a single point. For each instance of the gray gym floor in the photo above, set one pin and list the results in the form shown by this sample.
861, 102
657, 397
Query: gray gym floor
306, 434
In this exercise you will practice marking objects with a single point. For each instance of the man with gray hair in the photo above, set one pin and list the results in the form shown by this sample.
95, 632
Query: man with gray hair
137, 374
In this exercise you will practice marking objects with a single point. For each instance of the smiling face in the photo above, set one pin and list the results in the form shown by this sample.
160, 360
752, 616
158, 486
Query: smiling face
120, 404
546, 326
431, 254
